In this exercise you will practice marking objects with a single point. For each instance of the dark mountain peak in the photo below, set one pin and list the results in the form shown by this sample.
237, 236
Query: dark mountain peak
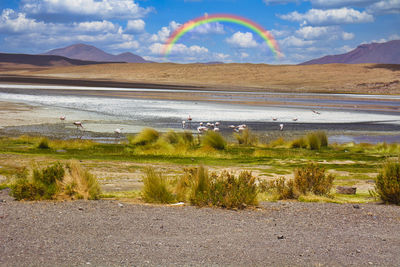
88, 52
381, 53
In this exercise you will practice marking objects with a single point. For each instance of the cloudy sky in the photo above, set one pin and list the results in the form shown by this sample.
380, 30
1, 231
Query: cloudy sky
303, 29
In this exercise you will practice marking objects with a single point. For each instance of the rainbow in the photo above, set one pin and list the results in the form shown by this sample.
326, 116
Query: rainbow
264, 34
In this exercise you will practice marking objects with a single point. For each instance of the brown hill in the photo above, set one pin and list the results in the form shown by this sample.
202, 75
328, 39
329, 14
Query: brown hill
92, 53
41, 60
382, 53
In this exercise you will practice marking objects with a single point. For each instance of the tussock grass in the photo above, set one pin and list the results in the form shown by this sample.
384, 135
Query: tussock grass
55, 182
155, 189
214, 140
145, 137
246, 137
387, 185
43, 144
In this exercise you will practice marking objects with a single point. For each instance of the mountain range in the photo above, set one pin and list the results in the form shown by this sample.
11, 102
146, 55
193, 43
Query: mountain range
92, 53
380, 53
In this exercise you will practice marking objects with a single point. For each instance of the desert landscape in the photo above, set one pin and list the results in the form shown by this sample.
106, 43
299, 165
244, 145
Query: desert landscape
163, 134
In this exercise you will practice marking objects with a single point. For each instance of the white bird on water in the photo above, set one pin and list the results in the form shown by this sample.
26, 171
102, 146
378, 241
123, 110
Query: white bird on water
183, 124
62, 118
281, 127
118, 131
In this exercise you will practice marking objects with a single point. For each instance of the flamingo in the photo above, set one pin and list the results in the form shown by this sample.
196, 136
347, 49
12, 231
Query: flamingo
232, 126
217, 124
281, 127
295, 119
274, 118
118, 131
216, 129
183, 124
316, 112
202, 129
78, 124
62, 118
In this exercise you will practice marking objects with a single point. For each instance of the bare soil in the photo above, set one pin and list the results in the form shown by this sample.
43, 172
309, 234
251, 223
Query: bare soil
108, 233
329, 78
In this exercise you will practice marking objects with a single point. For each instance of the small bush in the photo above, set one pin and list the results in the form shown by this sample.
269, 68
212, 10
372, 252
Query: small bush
224, 190
155, 189
313, 141
323, 139
188, 138
214, 140
185, 183
387, 185
200, 188
43, 144
171, 137
284, 189
313, 179
145, 137
278, 142
54, 181
246, 137
80, 183
299, 143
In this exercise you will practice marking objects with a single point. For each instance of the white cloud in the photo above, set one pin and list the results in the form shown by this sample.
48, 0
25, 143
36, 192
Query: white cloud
96, 26
164, 33
122, 9
294, 41
135, 26
242, 40
341, 3
347, 36
178, 49
221, 56
13, 22
329, 17
208, 28
385, 6
125, 45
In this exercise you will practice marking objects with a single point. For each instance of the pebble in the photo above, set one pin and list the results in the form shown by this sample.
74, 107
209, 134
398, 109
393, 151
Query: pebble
80, 208
281, 237
356, 206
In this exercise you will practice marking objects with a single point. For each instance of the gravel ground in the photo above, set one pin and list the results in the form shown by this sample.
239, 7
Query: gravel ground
108, 233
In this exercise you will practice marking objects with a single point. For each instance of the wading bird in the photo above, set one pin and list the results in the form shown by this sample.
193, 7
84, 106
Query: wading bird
78, 124
118, 132
316, 112
183, 124
281, 127
62, 118
274, 118
295, 119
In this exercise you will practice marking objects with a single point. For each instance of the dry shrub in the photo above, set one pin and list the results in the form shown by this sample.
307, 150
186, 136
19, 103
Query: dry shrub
280, 142
299, 143
43, 144
155, 189
224, 190
313, 179
246, 137
214, 140
55, 182
309, 179
145, 137
80, 183
387, 185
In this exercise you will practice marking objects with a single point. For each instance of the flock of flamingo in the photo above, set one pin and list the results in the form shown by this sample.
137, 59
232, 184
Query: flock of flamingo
204, 127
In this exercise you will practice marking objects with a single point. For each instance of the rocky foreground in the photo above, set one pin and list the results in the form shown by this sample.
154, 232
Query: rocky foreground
110, 233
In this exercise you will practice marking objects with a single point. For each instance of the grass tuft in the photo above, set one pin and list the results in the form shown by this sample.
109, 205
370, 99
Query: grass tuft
214, 140
145, 137
387, 185
155, 189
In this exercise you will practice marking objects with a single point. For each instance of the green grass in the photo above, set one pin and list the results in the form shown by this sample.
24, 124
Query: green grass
356, 161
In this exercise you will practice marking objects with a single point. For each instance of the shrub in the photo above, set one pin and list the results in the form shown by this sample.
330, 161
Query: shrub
313, 141
185, 183
284, 189
323, 139
246, 137
227, 191
43, 144
53, 182
155, 189
312, 179
278, 142
80, 183
299, 143
171, 137
214, 140
224, 190
387, 184
145, 137
200, 188
47, 180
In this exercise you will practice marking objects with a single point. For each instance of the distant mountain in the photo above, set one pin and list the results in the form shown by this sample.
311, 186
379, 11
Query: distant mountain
384, 53
42, 60
92, 53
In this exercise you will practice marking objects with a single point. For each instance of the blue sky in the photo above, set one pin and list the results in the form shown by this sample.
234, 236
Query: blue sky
303, 29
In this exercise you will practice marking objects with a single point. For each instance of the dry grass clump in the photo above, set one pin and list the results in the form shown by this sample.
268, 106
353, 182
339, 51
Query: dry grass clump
313, 141
145, 137
43, 144
223, 190
55, 182
310, 179
246, 137
214, 140
387, 185
155, 189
